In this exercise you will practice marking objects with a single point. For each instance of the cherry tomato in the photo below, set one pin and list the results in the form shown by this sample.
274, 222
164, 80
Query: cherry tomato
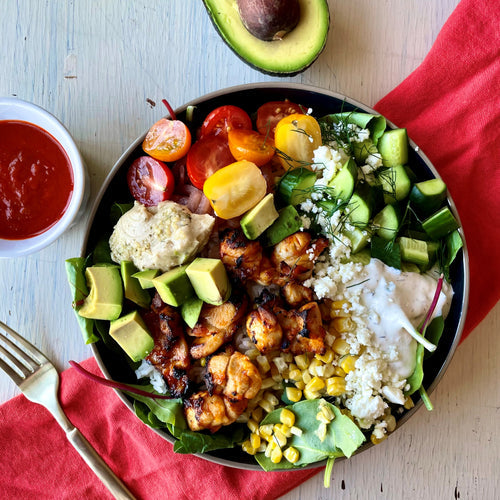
270, 113
225, 118
206, 156
167, 140
250, 145
150, 181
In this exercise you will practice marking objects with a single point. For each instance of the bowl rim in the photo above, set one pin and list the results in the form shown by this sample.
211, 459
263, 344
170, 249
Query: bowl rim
32, 113
324, 92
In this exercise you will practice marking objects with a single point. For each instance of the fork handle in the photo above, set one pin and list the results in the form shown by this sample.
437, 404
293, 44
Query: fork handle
98, 465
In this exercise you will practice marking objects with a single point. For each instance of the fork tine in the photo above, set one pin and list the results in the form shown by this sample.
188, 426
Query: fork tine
9, 370
30, 351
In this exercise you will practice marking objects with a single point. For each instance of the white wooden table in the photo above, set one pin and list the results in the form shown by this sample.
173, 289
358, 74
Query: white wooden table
99, 66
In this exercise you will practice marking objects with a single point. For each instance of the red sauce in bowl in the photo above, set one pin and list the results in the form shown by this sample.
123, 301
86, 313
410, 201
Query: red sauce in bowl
36, 180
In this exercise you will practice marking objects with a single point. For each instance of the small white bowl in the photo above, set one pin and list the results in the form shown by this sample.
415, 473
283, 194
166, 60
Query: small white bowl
12, 108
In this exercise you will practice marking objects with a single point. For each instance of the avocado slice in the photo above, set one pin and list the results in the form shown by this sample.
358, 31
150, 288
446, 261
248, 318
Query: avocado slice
286, 57
106, 293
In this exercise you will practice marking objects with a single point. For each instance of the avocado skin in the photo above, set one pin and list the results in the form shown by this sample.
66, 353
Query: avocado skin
211, 4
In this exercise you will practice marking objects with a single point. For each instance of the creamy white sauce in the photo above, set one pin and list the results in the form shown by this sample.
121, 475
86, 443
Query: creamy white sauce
391, 298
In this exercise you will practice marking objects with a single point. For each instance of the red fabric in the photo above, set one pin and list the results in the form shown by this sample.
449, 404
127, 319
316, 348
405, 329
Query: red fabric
450, 106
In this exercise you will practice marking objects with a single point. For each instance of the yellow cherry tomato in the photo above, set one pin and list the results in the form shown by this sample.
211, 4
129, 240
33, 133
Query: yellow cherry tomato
235, 189
296, 137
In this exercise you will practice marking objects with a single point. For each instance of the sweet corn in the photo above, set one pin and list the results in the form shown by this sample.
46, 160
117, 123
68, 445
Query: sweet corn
254, 440
287, 356
287, 417
257, 414
300, 384
409, 404
263, 363
314, 365
293, 394
301, 361
377, 440
276, 455
269, 396
296, 431
286, 430
321, 431
279, 437
280, 363
295, 375
335, 386
391, 423
266, 405
322, 417
343, 325
267, 383
337, 371
311, 394
315, 384
266, 431
291, 454
248, 448
270, 447
341, 347
252, 353
327, 357
340, 309
252, 425
328, 371
348, 362
306, 376
328, 412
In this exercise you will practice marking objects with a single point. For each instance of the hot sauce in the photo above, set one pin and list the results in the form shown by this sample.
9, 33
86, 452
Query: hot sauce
36, 180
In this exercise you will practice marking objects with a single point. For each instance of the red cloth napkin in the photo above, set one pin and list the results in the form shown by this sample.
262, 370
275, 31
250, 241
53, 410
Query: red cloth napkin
450, 106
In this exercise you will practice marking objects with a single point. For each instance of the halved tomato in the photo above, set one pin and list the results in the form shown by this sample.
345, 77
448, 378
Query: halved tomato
206, 156
250, 145
270, 113
150, 181
167, 140
225, 118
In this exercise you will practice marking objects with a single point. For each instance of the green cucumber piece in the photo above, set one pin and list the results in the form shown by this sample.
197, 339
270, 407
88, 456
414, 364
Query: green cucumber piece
359, 238
361, 150
361, 205
393, 147
295, 186
413, 250
428, 196
440, 224
363, 257
395, 183
386, 222
343, 183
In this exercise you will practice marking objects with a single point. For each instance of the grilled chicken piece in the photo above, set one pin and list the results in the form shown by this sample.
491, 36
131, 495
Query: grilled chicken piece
294, 257
205, 411
264, 330
296, 294
303, 329
170, 354
233, 375
201, 347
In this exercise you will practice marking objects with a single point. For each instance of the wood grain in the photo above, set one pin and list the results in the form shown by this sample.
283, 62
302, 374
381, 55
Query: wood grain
103, 67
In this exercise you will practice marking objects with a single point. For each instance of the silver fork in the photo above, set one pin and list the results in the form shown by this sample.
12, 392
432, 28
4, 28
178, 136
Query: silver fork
38, 380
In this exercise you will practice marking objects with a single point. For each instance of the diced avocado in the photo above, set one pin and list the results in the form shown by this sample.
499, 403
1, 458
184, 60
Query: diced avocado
146, 277
174, 286
344, 181
132, 287
105, 298
190, 310
259, 218
132, 335
395, 183
359, 238
287, 223
386, 222
285, 56
209, 280
393, 147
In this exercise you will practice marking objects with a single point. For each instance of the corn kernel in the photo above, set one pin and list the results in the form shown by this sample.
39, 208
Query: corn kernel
377, 440
287, 417
315, 384
295, 375
340, 346
269, 396
279, 437
287, 356
409, 404
266, 405
262, 447
267, 383
293, 394
300, 384
252, 425
266, 431
311, 394
252, 353
276, 455
391, 423
286, 430
280, 363
263, 363
338, 372
291, 454
348, 363
248, 448
340, 309
328, 371
254, 440
301, 361
296, 431
321, 431
314, 365
270, 447
306, 376
327, 357
257, 414
328, 412
343, 325
335, 386
322, 417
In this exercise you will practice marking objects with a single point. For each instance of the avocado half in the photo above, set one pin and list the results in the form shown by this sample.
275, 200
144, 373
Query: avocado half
287, 57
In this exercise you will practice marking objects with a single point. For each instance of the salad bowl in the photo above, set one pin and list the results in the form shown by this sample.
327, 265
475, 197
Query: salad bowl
250, 97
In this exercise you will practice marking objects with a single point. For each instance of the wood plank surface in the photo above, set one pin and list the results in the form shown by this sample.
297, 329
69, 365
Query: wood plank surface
103, 67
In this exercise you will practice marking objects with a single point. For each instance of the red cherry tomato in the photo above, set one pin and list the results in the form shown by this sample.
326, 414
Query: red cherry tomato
206, 156
270, 113
150, 181
250, 145
225, 118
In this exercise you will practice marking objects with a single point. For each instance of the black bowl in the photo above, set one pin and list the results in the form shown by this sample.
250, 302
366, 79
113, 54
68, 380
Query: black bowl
250, 97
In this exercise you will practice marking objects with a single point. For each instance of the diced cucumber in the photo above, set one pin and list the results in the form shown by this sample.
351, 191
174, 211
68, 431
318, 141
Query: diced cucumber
359, 210
295, 186
359, 238
362, 150
386, 222
393, 147
440, 224
363, 257
395, 183
428, 196
413, 250
343, 183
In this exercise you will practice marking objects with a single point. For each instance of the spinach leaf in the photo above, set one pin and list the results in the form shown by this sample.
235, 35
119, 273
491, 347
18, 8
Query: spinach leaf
343, 436
199, 442
75, 271
102, 252
386, 251
452, 244
117, 210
